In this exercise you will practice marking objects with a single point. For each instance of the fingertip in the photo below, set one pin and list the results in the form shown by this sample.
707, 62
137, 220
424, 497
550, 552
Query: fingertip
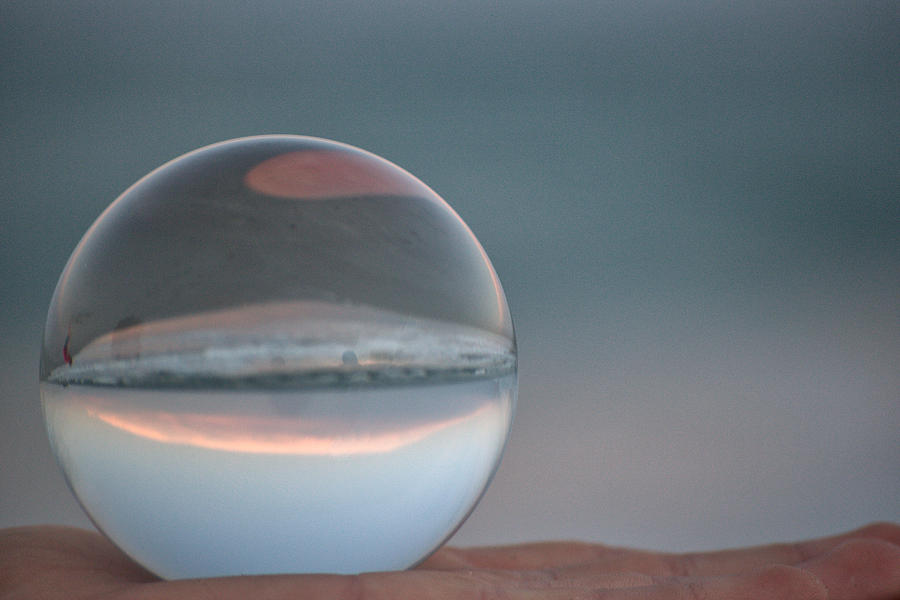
860, 567
883, 530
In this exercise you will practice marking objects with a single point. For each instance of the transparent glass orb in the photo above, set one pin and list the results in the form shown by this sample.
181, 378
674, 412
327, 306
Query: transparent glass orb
278, 354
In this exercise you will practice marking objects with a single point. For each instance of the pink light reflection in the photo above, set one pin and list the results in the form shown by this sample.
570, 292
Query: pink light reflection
268, 435
322, 174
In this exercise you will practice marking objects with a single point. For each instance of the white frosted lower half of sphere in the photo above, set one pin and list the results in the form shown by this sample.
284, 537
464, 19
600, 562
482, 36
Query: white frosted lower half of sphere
194, 483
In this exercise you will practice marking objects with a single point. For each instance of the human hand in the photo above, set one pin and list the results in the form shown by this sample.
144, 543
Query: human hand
59, 562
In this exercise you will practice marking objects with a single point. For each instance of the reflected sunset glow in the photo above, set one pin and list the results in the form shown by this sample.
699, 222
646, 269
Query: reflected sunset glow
268, 435
323, 174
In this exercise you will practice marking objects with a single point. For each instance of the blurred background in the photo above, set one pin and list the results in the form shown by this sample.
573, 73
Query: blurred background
694, 209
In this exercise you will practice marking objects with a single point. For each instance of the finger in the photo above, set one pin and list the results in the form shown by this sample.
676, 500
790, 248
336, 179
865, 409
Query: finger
67, 551
582, 557
522, 556
776, 582
421, 585
740, 560
63, 562
859, 568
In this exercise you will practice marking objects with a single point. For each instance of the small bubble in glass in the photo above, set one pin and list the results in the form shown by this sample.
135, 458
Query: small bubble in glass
278, 354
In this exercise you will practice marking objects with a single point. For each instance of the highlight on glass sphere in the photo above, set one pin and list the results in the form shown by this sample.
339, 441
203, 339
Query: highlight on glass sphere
278, 354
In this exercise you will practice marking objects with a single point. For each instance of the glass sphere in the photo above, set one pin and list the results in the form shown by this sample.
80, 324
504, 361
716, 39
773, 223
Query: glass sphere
278, 354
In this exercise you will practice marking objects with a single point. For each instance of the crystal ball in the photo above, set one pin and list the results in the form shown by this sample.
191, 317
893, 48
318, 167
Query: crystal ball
278, 354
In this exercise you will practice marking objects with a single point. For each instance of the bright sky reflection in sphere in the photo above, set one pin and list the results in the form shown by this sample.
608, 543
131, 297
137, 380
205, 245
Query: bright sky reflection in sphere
285, 349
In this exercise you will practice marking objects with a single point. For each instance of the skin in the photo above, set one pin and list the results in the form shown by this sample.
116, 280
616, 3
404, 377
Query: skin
47, 563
